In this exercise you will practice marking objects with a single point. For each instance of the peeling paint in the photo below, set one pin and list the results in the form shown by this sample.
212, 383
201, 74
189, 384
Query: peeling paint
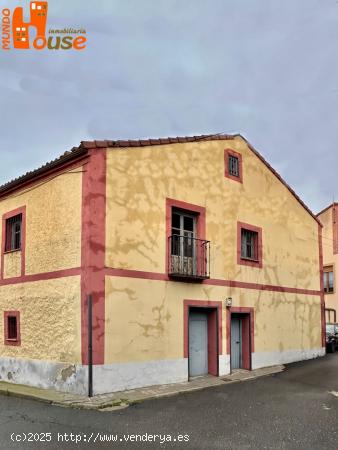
68, 372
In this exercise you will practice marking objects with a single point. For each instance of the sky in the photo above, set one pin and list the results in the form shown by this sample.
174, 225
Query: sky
267, 69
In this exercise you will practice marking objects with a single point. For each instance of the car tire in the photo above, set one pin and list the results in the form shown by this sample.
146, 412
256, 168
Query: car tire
329, 347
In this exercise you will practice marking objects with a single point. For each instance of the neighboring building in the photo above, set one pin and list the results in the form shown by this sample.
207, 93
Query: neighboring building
329, 219
164, 233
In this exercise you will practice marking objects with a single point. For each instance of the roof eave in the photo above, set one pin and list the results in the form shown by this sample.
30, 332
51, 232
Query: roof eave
76, 154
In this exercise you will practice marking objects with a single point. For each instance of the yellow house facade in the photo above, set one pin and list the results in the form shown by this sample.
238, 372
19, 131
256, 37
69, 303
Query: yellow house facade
329, 219
198, 256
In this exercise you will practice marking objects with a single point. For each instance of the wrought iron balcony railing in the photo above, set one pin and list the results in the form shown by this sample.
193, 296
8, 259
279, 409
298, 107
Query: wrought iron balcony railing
188, 257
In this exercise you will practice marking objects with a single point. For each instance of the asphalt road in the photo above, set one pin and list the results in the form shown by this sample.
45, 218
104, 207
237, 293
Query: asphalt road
291, 410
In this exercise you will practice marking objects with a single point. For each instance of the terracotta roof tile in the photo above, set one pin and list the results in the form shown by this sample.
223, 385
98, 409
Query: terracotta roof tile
76, 152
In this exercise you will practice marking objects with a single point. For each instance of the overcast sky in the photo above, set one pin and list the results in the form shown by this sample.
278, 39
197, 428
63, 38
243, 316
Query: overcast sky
267, 69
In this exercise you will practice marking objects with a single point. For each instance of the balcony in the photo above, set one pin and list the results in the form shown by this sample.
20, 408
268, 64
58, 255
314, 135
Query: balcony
188, 258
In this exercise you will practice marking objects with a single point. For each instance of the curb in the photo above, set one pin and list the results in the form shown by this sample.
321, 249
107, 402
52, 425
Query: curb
122, 403
40, 399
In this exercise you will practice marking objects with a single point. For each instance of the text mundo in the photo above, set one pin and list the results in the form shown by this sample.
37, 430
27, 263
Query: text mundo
6, 29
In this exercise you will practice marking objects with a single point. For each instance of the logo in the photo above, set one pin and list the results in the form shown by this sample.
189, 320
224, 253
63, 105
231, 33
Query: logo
18, 33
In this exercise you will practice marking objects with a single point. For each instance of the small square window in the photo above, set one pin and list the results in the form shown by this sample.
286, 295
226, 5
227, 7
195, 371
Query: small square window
249, 245
12, 327
233, 167
13, 233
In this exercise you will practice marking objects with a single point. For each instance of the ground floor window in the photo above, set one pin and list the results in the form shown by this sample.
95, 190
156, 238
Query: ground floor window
12, 327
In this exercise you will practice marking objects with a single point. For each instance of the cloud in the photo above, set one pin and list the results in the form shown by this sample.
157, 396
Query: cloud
158, 68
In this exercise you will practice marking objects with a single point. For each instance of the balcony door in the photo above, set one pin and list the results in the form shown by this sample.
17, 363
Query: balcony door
183, 247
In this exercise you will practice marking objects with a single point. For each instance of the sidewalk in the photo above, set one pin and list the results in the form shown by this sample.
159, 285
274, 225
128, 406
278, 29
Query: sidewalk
119, 400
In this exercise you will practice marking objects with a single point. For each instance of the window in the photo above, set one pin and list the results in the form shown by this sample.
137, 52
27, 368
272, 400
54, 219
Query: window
187, 250
233, 167
249, 247
183, 230
13, 233
12, 327
328, 280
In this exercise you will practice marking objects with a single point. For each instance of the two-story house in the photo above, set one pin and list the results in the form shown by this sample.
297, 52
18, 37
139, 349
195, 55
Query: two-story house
329, 219
199, 258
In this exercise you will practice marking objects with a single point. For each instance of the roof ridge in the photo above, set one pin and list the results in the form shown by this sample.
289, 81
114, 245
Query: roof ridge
154, 141
97, 144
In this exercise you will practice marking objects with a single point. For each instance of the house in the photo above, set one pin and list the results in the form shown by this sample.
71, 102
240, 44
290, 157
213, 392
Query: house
329, 219
199, 259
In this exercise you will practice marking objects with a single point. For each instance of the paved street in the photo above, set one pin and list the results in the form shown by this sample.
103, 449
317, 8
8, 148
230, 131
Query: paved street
289, 410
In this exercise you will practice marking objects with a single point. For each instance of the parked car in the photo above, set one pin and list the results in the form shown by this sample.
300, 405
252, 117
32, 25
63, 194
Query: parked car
331, 337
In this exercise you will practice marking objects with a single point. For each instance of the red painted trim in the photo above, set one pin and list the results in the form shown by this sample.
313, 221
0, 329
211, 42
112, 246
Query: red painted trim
93, 252
261, 287
127, 273
240, 310
200, 304
13, 342
334, 229
259, 249
200, 212
322, 294
248, 341
42, 276
213, 360
8, 215
229, 152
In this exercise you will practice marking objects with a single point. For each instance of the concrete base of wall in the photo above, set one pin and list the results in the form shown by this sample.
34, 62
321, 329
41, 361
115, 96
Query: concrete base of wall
64, 377
123, 376
107, 378
224, 365
266, 359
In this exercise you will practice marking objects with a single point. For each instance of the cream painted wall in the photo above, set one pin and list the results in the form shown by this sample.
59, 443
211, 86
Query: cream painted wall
50, 319
53, 222
140, 179
144, 318
12, 264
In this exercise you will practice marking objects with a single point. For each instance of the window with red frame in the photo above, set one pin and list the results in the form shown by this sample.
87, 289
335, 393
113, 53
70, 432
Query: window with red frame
328, 280
13, 233
12, 327
233, 166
